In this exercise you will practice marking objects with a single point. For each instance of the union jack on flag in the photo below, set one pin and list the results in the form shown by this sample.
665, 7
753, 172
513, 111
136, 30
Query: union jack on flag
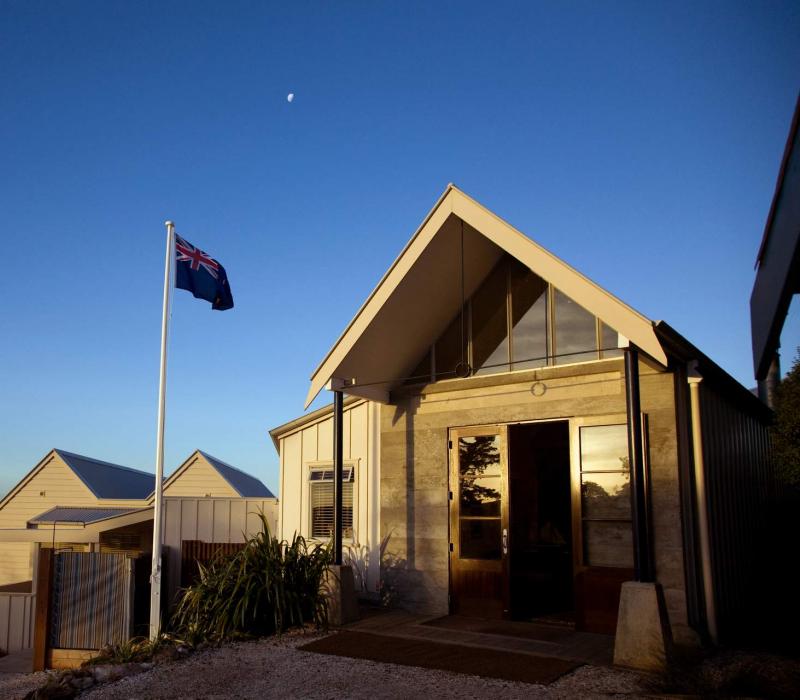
197, 272
186, 252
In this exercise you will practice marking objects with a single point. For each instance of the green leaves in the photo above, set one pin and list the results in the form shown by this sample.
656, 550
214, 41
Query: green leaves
267, 587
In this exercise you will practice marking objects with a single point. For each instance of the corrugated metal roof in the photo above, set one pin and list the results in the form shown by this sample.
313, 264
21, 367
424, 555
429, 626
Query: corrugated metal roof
106, 480
85, 516
246, 486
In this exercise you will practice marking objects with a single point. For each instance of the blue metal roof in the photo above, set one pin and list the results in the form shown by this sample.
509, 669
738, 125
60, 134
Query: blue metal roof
65, 514
106, 480
245, 485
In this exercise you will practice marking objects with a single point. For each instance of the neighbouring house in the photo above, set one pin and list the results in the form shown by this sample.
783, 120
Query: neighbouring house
69, 502
63, 479
778, 267
486, 459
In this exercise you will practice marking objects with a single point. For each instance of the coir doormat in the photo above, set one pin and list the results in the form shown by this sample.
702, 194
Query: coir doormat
490, 663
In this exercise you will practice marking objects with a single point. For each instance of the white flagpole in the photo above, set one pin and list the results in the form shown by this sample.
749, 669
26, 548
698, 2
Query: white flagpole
155, 575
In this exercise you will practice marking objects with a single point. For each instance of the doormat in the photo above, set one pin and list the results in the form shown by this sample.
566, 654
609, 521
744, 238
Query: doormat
536, 632
489, 663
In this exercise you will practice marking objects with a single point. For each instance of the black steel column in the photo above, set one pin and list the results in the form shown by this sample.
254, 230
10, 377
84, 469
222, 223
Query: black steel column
642, 552
337, 476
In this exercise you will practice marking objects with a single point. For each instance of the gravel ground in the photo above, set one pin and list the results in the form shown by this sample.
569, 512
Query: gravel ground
276, 668
17, 685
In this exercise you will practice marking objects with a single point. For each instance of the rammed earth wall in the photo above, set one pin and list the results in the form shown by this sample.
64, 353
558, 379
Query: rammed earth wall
414, 466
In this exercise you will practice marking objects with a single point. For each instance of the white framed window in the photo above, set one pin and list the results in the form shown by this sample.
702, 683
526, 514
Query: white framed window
321, 506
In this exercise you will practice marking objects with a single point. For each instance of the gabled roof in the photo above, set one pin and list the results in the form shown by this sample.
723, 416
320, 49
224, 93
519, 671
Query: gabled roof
244, 484
420, 294
85, 516
106, 480
103, 479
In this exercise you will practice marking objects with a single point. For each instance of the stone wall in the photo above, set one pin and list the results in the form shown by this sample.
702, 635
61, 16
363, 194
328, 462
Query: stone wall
414, 467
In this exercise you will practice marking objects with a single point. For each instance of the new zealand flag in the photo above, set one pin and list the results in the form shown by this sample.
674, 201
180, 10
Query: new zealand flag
200, 274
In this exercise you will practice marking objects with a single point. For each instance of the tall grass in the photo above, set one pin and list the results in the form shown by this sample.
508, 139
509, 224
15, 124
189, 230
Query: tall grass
267, 587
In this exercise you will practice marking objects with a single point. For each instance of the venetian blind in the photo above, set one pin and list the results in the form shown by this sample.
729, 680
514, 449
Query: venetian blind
321, 497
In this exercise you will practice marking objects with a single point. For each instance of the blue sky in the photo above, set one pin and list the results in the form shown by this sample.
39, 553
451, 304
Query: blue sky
641, 143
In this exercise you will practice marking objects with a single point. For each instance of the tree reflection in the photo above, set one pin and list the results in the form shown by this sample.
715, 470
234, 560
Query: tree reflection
610, 499
476, 456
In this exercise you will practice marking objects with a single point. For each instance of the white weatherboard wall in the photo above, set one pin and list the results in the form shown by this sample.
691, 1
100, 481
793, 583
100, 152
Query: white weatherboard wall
311, 445
200, 480
16, 621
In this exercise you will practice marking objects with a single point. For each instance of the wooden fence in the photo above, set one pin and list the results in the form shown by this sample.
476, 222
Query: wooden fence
196, 551
16, 621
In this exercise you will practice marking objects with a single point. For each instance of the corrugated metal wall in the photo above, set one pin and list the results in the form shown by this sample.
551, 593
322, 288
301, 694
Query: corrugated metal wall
739, 484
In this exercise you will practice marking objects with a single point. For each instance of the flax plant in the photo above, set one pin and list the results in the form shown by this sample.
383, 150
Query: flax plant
267, 587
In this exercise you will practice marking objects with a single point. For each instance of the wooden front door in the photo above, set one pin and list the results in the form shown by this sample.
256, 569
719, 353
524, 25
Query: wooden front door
479, 521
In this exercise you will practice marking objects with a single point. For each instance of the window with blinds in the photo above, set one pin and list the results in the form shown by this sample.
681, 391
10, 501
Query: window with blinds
321, 497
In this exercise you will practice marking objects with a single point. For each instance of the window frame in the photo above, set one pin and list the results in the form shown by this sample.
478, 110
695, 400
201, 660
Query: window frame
578, 560
316, 465
600, 353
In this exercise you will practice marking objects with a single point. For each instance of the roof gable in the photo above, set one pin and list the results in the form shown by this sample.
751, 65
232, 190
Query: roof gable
420, 291
246, 486
241, 483
106, 480
102, 480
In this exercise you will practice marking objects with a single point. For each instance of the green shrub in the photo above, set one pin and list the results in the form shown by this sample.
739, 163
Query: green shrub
267, 587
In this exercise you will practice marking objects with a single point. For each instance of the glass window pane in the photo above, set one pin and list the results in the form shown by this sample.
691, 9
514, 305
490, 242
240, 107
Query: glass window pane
321, 497
607, 544
604, 448
608, 342
480, 496
490, 323
448, 351
576, 331
528, 318
480, 539
606, 495
479, 456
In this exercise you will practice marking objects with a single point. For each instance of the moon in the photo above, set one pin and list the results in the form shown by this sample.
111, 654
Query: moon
290, 97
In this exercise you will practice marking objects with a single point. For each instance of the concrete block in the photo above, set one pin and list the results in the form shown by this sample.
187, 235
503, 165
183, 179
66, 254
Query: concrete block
340, 589
644, 638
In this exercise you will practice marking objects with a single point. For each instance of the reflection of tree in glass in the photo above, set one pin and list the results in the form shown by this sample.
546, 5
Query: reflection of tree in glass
611, 501
614, 502
476, 455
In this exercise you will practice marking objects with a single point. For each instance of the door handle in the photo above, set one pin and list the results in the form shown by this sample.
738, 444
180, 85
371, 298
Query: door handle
505, 541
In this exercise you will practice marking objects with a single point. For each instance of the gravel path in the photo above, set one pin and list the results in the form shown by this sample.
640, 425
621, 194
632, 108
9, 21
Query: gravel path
17, 685
276, 668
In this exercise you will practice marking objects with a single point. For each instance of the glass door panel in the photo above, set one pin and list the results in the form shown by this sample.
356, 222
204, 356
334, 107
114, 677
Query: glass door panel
479, 521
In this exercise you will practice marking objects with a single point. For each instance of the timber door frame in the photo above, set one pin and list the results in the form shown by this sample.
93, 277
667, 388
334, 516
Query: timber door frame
501, 566
581, 569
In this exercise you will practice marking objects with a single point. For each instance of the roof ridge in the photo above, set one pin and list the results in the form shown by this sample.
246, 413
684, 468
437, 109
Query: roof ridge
103, 462
230, 466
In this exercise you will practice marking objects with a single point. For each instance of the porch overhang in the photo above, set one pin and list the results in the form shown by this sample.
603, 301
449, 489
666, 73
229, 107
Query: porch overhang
422, 292
74, 531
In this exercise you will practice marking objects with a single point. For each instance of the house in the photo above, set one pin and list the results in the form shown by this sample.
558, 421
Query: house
204, 476
778, 267
64, 479
518, 442
71, 502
